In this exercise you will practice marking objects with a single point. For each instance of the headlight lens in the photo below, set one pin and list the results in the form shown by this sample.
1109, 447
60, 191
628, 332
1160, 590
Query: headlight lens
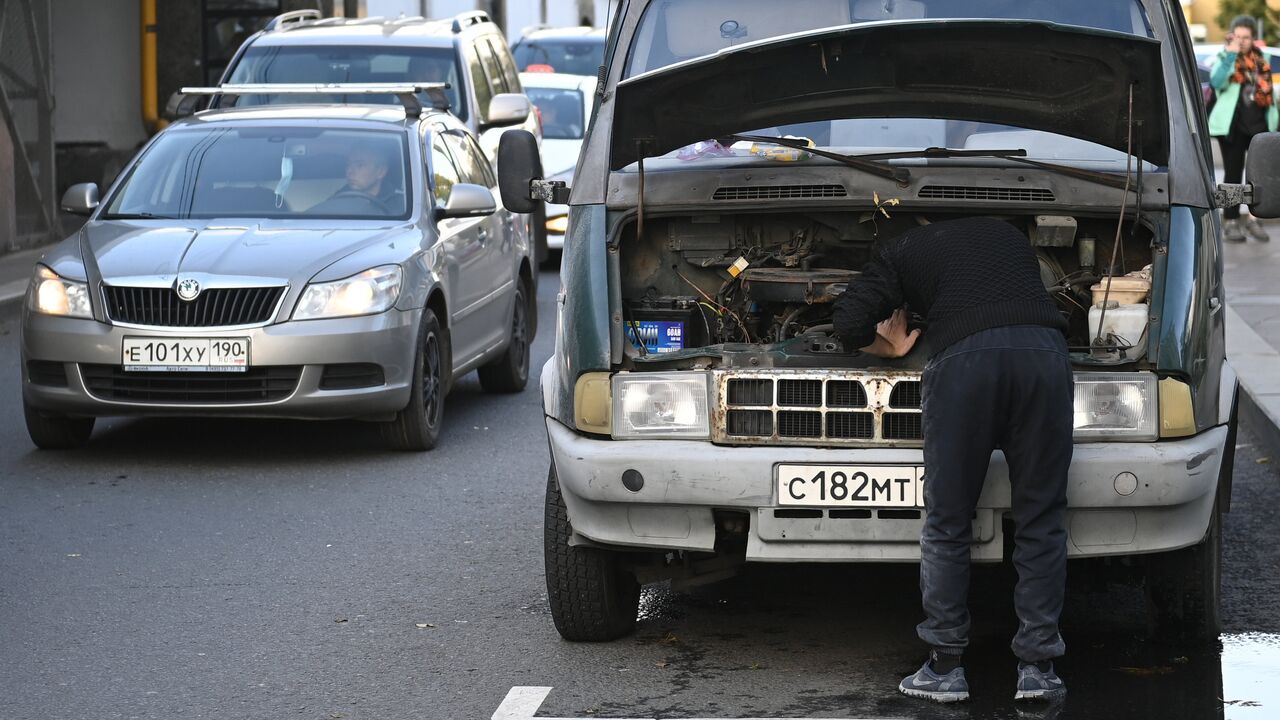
372, 291
660, 405
1120, 406
558, 225
52, 294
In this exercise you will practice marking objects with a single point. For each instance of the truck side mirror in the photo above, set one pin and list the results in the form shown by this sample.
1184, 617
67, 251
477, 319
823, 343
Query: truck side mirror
80, 199
518, 166
1262, 171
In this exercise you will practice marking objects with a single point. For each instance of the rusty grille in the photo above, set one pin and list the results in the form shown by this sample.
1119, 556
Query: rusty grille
818, 408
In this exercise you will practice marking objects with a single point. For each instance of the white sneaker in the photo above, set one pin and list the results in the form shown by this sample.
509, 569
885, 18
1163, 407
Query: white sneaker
1254, 229
1233, 231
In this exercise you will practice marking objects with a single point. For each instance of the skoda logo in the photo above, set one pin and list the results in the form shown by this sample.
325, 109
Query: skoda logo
188, 289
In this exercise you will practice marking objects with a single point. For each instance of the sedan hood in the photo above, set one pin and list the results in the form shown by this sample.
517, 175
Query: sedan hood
220, 253
1062, 79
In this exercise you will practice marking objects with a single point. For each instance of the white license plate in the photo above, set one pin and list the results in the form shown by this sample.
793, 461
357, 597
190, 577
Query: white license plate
156, 354
850, 485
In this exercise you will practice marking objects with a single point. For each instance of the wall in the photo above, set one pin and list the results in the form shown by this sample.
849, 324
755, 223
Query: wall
96, 73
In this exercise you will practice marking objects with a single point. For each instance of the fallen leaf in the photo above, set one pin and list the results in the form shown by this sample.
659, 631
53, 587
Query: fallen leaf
755, 666
423, 626
340, 620
670, 639
1147, 671
660, 664
1263, 460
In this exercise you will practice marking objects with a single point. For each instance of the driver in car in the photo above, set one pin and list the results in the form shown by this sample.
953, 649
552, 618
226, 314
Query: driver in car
367, 176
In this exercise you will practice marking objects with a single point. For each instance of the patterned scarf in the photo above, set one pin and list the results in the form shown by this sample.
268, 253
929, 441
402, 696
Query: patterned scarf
1252, 69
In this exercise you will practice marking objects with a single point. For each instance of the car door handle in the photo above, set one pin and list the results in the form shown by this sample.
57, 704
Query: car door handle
483, 236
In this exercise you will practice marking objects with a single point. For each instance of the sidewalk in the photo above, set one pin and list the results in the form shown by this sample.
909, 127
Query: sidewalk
1252, 279
15, 273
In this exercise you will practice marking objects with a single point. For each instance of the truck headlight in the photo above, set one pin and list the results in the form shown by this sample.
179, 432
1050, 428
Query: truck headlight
52, 294
368, 293
1116, 406
660, 405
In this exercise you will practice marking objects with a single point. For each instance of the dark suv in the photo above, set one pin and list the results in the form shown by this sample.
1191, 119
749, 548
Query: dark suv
468, 51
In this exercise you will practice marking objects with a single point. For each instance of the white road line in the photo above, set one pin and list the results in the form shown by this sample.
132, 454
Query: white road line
522, 703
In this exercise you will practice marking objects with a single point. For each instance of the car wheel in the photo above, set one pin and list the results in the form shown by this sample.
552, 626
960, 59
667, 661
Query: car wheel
1183, 589
50, 431
593, 596
510, 373
417, 426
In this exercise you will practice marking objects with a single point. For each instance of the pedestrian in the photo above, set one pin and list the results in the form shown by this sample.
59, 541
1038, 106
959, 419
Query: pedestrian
1245, 106
998, 376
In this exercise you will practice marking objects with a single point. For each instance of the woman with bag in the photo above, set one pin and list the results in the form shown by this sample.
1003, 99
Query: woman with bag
1244, 107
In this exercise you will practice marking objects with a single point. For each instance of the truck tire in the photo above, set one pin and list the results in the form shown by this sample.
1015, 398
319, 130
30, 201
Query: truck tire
417, 426
50, 431
1183, 589
510, 372
593, 596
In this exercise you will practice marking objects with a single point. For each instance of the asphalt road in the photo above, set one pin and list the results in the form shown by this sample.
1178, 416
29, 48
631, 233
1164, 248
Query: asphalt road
237, 569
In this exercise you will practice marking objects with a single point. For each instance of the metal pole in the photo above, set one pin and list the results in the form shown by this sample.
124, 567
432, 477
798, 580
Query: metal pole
542, 12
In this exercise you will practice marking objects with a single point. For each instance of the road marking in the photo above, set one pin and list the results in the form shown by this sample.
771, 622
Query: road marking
522, 703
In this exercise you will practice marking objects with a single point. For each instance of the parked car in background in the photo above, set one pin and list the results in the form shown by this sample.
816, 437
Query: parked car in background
564, 106
570, 51
293, 261
468, 52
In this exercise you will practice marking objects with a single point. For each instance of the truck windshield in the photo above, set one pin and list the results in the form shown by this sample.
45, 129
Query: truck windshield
345, 64
673, 31
268, 172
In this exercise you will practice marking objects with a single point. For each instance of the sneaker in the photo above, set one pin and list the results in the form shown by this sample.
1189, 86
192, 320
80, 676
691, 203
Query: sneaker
928, 684
1034, 685
1254, 229
1233, 231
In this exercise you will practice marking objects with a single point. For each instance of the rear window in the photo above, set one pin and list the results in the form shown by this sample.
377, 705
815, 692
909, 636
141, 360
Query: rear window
673, 31
572, 57
346, 64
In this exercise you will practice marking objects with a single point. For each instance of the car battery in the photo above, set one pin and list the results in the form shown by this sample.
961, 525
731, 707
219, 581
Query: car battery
664, 330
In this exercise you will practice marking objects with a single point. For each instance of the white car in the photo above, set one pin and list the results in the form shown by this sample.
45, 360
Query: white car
564, 104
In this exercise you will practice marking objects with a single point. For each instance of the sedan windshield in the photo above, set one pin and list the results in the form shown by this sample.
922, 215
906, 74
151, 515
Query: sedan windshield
345, 64
268, 172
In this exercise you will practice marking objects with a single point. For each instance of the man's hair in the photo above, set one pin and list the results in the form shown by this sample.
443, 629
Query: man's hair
376, 154
1244, 21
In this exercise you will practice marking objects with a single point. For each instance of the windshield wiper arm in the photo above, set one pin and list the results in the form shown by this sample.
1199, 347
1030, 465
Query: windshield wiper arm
1018, 156
137, 216
865, 164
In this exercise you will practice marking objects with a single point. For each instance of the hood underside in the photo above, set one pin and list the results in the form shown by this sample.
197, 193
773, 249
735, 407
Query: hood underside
1061, 79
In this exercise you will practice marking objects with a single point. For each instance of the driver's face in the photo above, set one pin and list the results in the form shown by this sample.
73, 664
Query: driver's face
365, 172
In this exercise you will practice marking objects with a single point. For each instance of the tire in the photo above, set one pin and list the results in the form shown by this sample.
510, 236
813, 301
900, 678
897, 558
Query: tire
417, 426
593, 596
50, 431
510, 373
539, 220
1183, 589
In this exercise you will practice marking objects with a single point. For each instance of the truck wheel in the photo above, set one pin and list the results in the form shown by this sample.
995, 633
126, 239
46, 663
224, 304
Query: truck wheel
510, 373
56, 432
593, 596
1183, 589
417, 426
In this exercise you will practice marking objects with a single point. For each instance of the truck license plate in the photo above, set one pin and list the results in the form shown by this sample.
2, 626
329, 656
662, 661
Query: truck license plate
155, 354
850, 485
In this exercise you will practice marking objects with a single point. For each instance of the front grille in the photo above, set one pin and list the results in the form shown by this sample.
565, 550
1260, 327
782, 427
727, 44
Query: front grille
216, 307
255, 385
778, 192
817, 408
47, 373
960, 192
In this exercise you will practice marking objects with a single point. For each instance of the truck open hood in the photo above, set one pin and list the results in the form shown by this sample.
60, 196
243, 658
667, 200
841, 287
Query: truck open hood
1062, 79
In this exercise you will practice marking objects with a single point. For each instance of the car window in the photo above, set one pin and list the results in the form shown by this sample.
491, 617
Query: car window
471, 162
561, 111
491, 68
269, 172
340, 64
572, 57
443, 173
673, 31
484, 93
509, 72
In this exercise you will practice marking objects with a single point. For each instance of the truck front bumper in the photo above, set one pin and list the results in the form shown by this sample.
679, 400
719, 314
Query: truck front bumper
1167, 506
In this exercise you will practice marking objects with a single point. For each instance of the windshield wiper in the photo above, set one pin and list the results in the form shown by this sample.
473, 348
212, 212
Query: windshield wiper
866, 163
1018, 156
137, 216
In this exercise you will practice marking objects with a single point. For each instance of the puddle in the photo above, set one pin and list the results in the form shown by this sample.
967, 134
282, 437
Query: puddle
1250, 662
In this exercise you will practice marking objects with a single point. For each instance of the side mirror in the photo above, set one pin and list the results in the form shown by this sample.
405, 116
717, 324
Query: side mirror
518, 165
467, 200
509, 109
81, 199
1262, 171
181, 105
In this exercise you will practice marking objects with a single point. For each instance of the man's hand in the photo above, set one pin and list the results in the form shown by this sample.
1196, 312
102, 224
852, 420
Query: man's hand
892, 339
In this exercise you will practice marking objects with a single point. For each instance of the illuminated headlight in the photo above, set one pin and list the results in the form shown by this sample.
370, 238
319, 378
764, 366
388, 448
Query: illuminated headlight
660, 405
558, 225
370, 292
52, 294
1116, 406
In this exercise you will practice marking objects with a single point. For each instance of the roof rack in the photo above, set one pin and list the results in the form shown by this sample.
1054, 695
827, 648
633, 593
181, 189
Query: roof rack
465, 20
408, 93
278, 22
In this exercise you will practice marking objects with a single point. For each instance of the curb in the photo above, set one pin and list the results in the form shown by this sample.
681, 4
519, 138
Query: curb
1255, 363
13, 291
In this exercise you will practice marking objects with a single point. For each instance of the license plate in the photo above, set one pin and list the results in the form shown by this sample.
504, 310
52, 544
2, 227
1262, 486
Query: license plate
153, 354
850, 485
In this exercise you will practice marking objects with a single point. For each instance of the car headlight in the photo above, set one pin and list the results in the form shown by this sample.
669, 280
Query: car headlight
53, 294
370, 292
660, 405
558, 225
1116, 406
